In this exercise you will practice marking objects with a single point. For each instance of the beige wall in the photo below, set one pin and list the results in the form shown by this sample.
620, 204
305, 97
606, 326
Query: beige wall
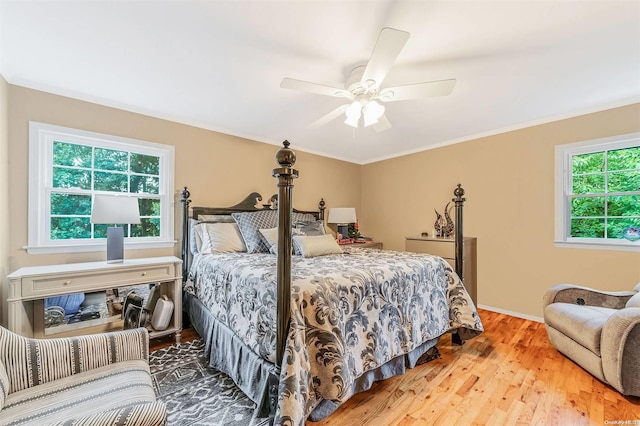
219, 169
509, 179
509, 183
4, 191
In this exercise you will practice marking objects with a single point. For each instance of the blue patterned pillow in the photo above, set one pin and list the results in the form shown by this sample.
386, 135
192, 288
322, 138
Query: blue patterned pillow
250, 224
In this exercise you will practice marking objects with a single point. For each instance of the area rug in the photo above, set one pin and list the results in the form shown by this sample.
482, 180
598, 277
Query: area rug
196, 394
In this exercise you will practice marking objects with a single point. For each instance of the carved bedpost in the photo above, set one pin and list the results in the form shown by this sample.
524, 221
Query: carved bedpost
185, 251
459, 202
459, 245
321, 206
286, 158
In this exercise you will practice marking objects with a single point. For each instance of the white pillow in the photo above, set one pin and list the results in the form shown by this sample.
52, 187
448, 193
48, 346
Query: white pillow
220, 238
271, 237
634, 302
316, 245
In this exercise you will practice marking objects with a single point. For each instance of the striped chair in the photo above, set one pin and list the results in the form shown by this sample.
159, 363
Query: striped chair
100, 379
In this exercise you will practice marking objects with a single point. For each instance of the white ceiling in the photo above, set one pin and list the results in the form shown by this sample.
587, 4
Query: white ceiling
218, 64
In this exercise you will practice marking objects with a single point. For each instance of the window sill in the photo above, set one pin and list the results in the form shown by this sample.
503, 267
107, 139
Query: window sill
94, 247
621, 246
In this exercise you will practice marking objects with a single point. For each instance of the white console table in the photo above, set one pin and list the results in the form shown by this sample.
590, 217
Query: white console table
29, 286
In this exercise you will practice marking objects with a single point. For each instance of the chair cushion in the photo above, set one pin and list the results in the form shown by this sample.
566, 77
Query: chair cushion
634, 302
111, 387
4, 385
582, 324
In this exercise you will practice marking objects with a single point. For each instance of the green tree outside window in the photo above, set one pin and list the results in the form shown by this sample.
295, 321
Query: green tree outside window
79, 170
605, 197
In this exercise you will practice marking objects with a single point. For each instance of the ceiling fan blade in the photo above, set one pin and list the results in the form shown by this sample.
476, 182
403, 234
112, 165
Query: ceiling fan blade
390, 43
382, 124
417, 90
329, 117
320, 89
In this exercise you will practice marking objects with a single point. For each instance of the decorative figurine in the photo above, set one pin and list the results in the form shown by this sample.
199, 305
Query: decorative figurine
443, 227
449, 227
437, 226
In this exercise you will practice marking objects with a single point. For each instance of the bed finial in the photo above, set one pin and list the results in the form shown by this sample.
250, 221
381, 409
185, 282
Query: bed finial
286, 157
459, 192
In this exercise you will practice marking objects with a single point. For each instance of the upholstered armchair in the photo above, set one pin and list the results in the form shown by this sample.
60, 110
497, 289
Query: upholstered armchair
100, 379
600, 331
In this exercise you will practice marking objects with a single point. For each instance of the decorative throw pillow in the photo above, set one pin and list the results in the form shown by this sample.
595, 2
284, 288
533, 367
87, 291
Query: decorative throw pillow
221, 238
271, 238
316, 245
216, 218
195, 234
634, 302
250, 224
308, 227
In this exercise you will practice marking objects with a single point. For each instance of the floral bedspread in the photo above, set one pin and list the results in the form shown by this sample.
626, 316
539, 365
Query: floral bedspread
350, 313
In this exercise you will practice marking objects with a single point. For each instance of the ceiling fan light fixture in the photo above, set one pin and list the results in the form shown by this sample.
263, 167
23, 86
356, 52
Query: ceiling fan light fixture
372, 112
353, 113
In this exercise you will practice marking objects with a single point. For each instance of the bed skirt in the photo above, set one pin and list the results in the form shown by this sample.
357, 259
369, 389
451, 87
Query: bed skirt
250, 372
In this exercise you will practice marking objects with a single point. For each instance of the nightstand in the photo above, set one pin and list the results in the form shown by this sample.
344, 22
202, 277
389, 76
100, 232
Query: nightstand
369, 244
31, 285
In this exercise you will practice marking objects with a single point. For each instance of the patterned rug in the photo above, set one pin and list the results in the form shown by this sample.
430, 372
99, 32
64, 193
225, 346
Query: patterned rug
196, 394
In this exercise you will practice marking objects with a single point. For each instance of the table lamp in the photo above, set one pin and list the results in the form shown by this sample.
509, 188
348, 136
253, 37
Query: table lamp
112, 210
342, 216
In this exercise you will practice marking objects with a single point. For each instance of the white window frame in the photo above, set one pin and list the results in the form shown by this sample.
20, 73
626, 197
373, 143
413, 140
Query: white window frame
41, 138
563, 188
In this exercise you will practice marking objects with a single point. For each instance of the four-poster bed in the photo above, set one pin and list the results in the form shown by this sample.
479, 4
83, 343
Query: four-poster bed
301, 334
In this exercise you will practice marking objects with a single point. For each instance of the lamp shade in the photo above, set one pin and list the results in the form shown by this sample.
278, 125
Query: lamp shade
353, 113
372, 112
115, 209
342, 215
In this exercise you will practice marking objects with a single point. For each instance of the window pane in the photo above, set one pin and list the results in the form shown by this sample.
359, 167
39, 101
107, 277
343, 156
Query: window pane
68, 154
624, 159
587, 228
624, 181
588, 184
146, 228
587, 206
64, 228
100, 230
146, 164
624, 205
145, 184
149, 207
616, 226
113, 182
71, 178
109, 159
69, 204
588, 163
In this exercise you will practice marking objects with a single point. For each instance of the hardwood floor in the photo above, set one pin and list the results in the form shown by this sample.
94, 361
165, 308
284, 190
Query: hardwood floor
508, 375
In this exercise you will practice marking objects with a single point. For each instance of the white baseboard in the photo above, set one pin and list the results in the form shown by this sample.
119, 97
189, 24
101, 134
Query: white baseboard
511, 313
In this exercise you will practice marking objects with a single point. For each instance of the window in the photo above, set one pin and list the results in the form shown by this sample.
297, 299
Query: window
598, 193
67, 167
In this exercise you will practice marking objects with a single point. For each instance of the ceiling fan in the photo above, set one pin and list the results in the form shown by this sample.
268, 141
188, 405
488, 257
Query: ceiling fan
363, 87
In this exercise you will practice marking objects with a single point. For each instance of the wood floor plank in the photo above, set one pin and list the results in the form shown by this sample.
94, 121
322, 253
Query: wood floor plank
509, 375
